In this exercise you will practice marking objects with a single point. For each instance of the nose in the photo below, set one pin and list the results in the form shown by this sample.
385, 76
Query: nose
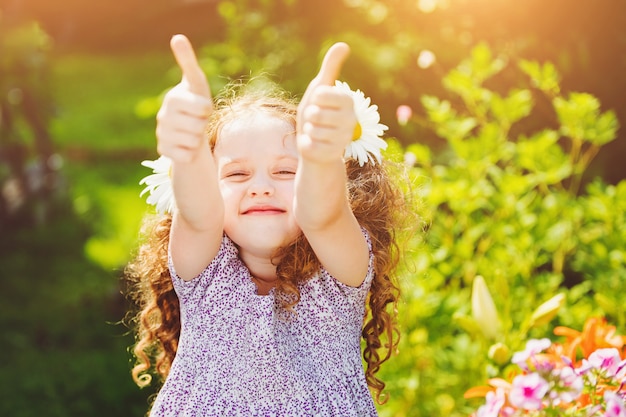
261, 186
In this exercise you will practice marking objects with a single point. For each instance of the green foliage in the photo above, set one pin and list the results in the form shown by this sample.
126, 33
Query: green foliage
104, 141
505, 207
259, 40
544, 77
27, 164
63, 353
64, 349
98, 99
24, 55
107, 198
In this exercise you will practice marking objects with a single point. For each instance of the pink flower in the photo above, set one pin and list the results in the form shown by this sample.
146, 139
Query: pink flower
533, 347
614, 405
528, 391
493, 403
570, 383
552, 385
607, 360
403, 114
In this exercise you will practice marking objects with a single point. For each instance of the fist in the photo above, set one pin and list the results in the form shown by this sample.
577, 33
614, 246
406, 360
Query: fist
326, 119
328, 125
183, 116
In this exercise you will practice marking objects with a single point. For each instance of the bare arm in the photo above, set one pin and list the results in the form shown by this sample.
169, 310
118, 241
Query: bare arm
326, 122
197, 223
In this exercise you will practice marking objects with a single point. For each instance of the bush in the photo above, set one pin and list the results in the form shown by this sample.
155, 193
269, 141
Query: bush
508, 208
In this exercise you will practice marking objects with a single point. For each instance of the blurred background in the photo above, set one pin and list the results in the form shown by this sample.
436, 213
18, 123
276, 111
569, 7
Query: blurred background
80, 83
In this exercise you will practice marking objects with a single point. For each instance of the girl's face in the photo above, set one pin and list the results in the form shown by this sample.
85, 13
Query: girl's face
256, 159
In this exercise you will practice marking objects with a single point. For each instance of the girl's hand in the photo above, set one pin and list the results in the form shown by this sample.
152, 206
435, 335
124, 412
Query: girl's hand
326, 119
183, 116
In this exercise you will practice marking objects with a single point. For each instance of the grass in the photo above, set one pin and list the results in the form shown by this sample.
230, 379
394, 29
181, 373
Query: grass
97, 99
64, 353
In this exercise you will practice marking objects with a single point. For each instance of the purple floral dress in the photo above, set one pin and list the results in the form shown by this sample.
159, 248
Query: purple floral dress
239, 355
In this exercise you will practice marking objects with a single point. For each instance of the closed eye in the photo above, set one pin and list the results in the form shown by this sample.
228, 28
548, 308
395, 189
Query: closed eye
285, 173
236, 175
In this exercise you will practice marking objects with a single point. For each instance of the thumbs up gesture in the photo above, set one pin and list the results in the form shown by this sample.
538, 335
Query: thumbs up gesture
183, 116
326, 119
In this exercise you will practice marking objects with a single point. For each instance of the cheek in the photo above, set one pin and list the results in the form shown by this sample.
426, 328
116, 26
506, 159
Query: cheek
287, 190
228, 192
231, 204
231, 209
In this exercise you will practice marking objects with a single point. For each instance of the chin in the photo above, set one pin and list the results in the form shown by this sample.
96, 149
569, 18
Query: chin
262, 240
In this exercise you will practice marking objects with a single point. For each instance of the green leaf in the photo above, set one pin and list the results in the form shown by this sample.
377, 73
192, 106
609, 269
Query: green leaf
545, 78
457, 129
467, 78
482, 64
580, 119
460, 82
547, 310
540, 154
517, 105
557, 234
606, 128
606, 303
438, 111
468, 324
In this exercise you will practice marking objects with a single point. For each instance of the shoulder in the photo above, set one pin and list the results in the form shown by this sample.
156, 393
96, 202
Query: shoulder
225, 263
326, 285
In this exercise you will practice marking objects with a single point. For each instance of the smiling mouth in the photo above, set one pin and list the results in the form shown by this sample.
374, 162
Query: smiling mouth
265, 210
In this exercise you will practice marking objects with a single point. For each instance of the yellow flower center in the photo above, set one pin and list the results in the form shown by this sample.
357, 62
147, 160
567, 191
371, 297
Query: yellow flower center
169, 172
358, 131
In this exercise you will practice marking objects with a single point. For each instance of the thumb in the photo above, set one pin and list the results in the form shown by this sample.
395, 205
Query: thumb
332, 63
188, 63
328, 73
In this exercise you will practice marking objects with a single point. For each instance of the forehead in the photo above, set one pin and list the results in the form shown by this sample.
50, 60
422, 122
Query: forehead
256, 133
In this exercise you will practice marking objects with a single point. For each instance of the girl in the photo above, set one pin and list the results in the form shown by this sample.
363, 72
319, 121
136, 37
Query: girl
253, 286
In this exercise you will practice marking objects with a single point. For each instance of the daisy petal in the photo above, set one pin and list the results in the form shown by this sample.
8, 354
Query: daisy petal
368, 146
159, 185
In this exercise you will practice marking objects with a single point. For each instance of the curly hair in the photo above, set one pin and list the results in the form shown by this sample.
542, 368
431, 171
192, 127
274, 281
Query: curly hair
376, 202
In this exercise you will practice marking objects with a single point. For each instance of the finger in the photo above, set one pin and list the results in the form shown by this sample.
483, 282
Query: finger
331, 67
332, 63
319, 134
322, 116
188, 63
191, 125
169, 138
181, 155
328, 73
327, 135
187, 140
178, 139
180, 100
330, 97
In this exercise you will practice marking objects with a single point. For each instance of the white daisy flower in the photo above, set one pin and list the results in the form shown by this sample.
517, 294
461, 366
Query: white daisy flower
367, 140
159, 185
